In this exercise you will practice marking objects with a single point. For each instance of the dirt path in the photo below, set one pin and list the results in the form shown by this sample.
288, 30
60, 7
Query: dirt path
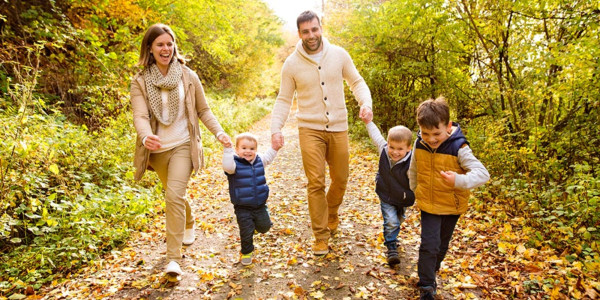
284, 267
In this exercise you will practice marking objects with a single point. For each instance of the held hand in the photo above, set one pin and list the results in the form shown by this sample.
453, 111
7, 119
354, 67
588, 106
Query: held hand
367, 120
152, 142
449, 177
225, 140
366, 114
277, 141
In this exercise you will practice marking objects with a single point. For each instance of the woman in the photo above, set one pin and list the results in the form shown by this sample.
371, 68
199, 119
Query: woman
167, 99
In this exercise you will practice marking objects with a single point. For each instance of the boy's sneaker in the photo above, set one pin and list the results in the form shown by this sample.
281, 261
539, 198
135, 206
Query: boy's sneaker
427, 293
246, 259
189, 236
392, 256
173, 269
320, 247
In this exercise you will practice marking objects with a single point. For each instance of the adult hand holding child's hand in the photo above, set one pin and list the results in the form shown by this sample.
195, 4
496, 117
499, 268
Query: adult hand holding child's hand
277, 141
225, 140
366, 114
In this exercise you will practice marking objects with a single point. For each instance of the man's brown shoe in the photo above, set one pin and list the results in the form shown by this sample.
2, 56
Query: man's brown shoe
320, 247
333, 227
332, 223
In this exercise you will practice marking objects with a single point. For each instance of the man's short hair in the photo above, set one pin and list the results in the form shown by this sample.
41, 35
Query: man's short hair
432, 112
400, 134
306, 16
246, 136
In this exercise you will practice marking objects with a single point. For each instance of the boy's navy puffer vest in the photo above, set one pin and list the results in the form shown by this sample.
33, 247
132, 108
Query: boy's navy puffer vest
392, 183
248, 186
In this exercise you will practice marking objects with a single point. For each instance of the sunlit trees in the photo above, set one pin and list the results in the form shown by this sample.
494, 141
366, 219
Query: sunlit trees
522, 77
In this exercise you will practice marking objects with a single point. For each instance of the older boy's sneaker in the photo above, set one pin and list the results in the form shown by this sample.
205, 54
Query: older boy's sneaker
246, 259
189, 236
427, 293
320, 247
173, 269
392, 257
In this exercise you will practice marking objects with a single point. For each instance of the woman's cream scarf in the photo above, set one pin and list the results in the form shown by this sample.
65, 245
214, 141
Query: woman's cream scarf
155, 81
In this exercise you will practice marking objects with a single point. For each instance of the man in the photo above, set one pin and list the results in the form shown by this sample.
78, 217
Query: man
316, 71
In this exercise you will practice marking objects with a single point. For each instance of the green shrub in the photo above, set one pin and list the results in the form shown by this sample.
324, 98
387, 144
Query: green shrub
552, 179
67, 195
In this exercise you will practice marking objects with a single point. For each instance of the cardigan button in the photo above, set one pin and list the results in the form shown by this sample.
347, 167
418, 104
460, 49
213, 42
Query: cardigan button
325, 98
319, 67
322, 83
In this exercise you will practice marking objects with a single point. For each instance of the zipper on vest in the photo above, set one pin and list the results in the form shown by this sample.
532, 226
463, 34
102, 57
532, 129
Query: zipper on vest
431, 177
254, 184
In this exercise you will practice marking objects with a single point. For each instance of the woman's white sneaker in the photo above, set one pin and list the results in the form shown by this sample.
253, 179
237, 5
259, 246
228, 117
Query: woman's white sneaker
173, 269
189, 236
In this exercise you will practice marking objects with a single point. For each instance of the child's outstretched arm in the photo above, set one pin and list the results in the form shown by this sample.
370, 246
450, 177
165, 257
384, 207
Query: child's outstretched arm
476, 175
228, 162
376, 136
268, 157
412, 170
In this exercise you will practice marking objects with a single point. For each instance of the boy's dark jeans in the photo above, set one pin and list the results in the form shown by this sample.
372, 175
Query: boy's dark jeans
248, 220
436, 232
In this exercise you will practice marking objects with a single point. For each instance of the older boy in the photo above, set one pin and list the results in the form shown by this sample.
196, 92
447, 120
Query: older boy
442, 171
392, 185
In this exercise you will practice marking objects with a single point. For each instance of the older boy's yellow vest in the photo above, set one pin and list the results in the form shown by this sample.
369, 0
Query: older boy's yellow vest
433, 194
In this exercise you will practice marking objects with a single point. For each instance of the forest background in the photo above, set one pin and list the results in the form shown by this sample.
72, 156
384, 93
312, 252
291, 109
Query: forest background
522, 78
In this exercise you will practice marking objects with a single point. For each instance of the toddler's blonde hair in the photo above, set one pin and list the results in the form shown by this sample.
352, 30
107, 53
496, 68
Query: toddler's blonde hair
246, 136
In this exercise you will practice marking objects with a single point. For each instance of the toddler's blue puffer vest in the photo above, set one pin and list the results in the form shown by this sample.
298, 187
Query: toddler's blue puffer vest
248, 186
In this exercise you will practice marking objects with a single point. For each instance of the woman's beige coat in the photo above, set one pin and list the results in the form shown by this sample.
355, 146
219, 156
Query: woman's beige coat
146, 124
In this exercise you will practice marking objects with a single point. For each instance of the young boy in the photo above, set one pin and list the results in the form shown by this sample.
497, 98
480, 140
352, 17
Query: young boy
248, 189
392, 182
442, 171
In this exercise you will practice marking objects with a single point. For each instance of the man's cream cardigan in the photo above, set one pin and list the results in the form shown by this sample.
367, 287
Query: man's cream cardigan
319, 89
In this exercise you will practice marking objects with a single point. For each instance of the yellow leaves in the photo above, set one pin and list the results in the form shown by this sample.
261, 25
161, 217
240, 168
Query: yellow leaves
292, 262
287, 231
504, 247
53, 168
206, 276
317, 295
207, 228
299, 291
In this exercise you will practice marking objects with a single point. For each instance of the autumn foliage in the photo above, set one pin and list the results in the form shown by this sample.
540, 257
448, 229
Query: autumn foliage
66, 189
522, 78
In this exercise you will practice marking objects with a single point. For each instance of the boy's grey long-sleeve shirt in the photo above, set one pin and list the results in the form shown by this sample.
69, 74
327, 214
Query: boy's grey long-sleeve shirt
229, 164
